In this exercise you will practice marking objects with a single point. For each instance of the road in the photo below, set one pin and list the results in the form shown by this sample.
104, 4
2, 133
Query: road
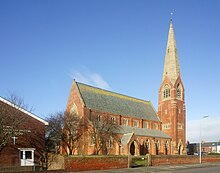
199, 170
187, 168
193, 168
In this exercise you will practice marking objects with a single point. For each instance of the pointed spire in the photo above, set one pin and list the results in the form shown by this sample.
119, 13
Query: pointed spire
171, 64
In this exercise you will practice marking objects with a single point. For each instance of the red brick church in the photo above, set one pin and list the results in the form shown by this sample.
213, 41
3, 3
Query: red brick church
143, 130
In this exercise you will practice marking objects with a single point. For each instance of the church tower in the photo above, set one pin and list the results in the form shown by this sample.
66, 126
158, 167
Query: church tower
171, 107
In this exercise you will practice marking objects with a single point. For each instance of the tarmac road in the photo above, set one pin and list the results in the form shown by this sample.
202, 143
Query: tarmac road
192, 168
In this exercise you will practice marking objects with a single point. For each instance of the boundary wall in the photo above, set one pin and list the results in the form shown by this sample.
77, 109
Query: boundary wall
86, 163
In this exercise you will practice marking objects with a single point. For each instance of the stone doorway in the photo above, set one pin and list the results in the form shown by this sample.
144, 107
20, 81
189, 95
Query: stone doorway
132, 148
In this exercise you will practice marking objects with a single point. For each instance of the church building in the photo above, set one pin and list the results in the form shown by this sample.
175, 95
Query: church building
143, 130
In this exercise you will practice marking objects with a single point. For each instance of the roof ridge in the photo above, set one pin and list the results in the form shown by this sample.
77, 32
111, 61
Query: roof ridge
140, 100
4, 100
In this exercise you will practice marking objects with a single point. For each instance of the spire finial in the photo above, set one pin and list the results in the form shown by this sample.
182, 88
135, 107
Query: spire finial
171, 16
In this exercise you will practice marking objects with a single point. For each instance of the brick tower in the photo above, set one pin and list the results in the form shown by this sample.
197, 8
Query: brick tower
171, 107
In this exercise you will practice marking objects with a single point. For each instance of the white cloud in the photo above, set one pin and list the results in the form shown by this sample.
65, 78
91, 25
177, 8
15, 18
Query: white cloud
99, 81
209, 129
89, 78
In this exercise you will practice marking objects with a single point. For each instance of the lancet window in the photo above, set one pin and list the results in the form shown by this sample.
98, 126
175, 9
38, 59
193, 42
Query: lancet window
166, 91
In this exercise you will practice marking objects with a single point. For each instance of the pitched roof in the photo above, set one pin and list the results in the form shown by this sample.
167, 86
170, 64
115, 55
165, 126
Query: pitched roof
107, 101
207, 144
23, 110
126, 138
143, 132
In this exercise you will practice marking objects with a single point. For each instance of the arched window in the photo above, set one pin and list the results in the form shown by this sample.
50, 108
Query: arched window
110, 142
98, 117
157, 146
166, 91
166, 147
147, 146
179, 91
148, 143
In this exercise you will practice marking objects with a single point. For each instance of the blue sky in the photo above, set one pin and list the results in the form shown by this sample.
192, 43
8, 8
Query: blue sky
118, 45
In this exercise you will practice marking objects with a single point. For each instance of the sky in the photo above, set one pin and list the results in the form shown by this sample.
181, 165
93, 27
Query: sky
118, 45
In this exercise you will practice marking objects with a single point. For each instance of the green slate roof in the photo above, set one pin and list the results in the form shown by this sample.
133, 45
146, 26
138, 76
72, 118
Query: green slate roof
128, 131
107, 101
143, 132
126, 138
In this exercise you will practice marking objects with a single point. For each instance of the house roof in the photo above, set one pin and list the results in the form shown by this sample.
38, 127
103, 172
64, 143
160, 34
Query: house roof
23, 110
107, 101
207, 144
143, 132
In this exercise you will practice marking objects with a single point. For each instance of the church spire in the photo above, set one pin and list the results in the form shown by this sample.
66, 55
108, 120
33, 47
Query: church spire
171, 64
171, 100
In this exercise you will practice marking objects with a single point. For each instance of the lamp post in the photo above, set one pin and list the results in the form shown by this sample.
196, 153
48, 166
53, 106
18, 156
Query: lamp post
200, 144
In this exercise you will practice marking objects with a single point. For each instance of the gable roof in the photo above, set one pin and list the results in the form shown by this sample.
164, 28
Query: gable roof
126, 138
107, 101
143, 132
23, 110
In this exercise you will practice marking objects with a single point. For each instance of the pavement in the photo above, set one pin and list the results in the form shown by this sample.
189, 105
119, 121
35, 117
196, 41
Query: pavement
161, 169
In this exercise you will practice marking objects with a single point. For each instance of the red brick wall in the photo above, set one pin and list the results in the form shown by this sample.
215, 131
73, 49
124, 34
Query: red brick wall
169, 160
211, 158
76, 163
172, 160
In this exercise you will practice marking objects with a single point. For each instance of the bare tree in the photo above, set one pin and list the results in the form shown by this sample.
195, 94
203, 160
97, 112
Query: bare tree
103, 130
64, 130
54, 132
9, 121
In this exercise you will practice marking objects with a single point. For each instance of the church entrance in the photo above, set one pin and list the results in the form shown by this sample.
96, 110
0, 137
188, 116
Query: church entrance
132, 148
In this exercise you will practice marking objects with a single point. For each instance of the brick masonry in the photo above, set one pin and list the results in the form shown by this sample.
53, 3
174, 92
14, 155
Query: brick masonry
31, 135
76, 104
183, 159
87, 163
172, 111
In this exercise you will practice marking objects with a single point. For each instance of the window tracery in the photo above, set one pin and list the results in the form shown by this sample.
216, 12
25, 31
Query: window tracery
179, 91
166, 91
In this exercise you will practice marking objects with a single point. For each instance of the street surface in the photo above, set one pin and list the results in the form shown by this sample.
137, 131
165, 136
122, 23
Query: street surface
192, 168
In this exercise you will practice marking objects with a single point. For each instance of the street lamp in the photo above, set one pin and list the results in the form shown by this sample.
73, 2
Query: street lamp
200, 144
